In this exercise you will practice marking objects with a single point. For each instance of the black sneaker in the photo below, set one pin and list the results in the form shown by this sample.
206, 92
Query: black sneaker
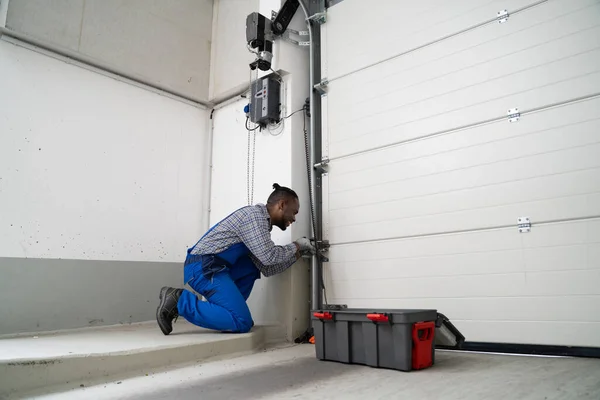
167, 309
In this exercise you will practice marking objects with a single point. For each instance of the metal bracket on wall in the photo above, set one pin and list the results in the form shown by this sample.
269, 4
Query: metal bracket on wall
322, 166
321, 87
319, 18
502, 16
299, 33
322, 247
286, 36
524, 224
513, 114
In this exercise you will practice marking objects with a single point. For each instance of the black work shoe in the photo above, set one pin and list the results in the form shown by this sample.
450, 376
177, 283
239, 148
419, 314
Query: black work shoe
167, 309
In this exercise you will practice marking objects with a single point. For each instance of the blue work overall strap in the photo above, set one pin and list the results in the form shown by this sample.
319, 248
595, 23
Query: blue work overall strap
211, 263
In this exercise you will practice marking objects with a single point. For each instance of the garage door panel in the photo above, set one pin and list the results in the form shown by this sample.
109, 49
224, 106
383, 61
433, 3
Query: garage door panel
558, 162
426, 177
566, 91
494, 252
546, 309
510, 148
493, 262
559, 234
460, 86
514, 192
468, 242
493, 285
555, 118
562, 257
570, 78
565, 208
578, 282
573, 282
548, 247
551, 22
417, 23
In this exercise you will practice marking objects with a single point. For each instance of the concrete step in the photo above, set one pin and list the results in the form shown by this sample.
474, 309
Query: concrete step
29, 363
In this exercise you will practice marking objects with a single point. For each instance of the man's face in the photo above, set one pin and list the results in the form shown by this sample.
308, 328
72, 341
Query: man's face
286, 210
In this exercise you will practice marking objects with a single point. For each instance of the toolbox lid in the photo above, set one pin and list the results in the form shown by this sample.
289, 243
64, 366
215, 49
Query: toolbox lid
397, 316
447, 335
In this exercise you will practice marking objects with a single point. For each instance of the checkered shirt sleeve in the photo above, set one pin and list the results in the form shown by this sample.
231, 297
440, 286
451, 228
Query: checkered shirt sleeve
250, 225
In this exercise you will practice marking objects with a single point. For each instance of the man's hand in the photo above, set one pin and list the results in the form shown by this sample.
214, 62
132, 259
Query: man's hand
306, 254
305, 247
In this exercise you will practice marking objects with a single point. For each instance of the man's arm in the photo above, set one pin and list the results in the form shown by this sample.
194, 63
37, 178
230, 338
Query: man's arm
270, 270
254, 233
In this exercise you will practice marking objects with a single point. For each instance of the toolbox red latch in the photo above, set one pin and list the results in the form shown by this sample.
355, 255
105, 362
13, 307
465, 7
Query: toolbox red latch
323, 315
422, 350
378, 317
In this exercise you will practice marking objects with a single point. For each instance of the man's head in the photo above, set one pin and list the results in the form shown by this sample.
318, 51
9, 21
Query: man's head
283, 205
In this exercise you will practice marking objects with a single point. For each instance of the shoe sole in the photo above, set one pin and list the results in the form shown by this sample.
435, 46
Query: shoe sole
163, 298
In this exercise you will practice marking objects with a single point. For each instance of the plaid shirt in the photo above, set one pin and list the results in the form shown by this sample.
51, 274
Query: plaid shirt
252, 226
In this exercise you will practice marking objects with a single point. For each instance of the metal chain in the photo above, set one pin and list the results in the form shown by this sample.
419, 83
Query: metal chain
248, 172
250, 164
253, 163
250, 169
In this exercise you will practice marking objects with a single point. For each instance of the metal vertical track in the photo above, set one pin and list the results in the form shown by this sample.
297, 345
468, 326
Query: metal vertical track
310, 8
315, 7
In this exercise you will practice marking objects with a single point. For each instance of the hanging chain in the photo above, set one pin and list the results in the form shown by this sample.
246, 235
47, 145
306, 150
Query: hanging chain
250, 164
248, 172
253, 163
250, 168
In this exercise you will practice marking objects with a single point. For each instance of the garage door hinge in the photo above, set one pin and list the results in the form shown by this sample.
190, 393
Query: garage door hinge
321, 87
524, 224
502, 16
513, 115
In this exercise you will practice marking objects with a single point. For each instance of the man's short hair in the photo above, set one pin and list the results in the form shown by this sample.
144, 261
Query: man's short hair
281, 193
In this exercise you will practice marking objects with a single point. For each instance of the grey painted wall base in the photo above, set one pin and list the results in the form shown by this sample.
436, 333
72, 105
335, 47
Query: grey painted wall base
39, 295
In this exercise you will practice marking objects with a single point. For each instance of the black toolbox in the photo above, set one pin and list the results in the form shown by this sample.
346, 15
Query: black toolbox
404, 340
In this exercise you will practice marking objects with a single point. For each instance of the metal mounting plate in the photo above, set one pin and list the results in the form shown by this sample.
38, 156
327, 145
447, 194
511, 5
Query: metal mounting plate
321, 87
524, 224
502, 16
319, 18
286, 36
513, 114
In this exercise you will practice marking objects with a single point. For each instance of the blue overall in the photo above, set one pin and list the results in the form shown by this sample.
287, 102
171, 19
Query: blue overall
225, 280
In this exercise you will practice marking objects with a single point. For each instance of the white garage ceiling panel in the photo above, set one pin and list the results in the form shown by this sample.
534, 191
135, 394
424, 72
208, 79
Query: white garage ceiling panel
427, 177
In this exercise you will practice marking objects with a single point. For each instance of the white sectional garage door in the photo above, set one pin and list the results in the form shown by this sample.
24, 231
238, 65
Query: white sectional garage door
427, 176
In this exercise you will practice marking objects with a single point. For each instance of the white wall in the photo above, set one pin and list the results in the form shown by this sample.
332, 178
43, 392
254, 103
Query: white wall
282, 300
146, 156
229, 70
93, 168
167, 43
98, 171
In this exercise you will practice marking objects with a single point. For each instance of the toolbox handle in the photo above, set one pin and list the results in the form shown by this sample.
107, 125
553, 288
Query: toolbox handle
426, 327
323, 315
378, 317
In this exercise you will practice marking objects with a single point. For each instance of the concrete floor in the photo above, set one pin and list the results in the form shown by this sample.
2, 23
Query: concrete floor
294, 372
126, 339
29, 363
